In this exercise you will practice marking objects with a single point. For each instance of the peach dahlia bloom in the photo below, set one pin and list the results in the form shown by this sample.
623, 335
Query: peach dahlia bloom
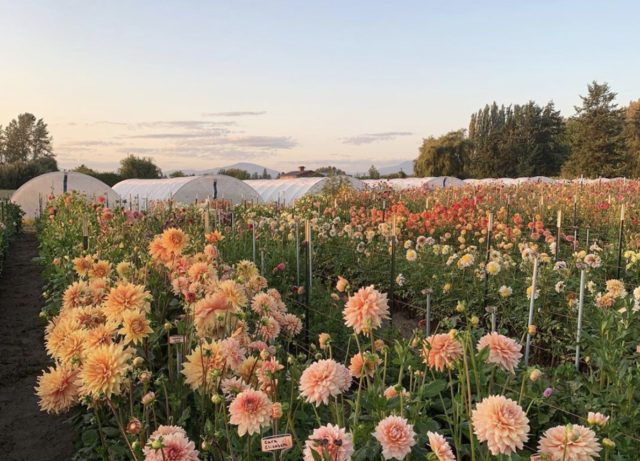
210, 313
396, 437
440, 447
174, 240
201, 362
250, 411
135, 326
441, 351
501, 423
366, 310
323, 379
364, 365
335, 440
58, 389
104, 370
581, 444
124, 297
502, 350
177, 447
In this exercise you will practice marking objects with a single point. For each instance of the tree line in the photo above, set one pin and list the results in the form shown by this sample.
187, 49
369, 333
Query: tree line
600, 139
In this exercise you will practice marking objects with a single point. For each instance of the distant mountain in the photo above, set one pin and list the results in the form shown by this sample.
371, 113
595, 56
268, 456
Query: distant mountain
250, 167
407, 167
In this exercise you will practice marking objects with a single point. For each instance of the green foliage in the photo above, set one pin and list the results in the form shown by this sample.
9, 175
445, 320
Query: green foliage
374, 173
10, 225
25, 139
330, 171
139, 167
596, 136
236, 173
13, 175
108, 177
447, 155
177, 174
631, 133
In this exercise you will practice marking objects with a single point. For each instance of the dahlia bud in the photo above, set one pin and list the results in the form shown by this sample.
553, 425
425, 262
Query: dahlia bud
264, 354
148, 399
535, 375
167, 326
460, 308
342, 285
135, 445
156, 444
597, 419
452, 333
324, 340
215, 398
205, 445
134, 426
144, 376
276, 410
290, 360
138, 361
318, 356
533, 330
608, 443
475, 321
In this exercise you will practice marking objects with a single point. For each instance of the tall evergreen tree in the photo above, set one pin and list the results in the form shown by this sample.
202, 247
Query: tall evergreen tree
25, 138
596, 136
631, 134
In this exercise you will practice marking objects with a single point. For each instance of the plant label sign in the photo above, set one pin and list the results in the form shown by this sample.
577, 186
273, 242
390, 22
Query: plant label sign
177, 339
277, 442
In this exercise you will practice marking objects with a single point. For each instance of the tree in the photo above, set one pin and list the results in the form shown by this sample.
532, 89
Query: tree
374, 173
330, 170
139, 167
447, 155
177, 174
85, 170
265, 174
631, 134
596, 136
236, 173
25, 139
255, 175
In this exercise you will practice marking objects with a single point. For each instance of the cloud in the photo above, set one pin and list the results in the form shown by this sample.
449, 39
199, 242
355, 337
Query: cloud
195, 134
232, 114
90, 143
374, 137
200, 152
186, 124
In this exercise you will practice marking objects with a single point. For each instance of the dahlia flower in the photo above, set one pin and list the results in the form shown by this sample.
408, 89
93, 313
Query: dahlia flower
177, 447
104, 370
366, 309
396, 437
323, 379
125, 296
441, 351
250, 411
502, 350
440, 447
570, 443
201, 362
501, 423
135, 327
335, 440
58, 389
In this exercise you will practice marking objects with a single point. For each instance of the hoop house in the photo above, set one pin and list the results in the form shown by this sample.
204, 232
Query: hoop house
407, 183
32, 195
187, 189
287, 190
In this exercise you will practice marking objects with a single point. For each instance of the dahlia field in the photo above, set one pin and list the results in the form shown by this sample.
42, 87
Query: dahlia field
483, 323
10, 225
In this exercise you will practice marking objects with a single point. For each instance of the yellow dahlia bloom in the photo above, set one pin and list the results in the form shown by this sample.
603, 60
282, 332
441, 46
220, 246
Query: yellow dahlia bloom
58, 389
82, 265
174, 240
104, 370
57, 331
235, 294
201, 362
135, 326
73, 347
100, 270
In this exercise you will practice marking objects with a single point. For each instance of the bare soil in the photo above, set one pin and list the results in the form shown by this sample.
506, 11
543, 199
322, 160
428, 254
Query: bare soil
26, 433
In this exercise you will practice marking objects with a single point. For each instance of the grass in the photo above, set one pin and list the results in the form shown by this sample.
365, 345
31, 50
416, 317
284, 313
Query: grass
6, 193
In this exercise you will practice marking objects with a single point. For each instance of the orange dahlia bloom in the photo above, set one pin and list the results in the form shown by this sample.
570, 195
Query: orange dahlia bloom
361, 365
501, 423
248, 368
104, 370
250, 411
57, 331
581, 443
158, 251
78, 294
101, 334
82, 265
214, 237
366, 309
135, 326
100, 270
201, 362
72, 347
124, 297
441, 351
502, 350
174, 240
57, 389
440, 447
234, 292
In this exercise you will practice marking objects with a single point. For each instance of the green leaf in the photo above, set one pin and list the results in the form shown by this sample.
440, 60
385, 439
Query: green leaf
184, 416
433, 388
483, 355
112, 432
90, 437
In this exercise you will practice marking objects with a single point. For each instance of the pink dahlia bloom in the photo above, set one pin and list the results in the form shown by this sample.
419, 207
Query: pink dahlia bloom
390, 392
290, 324
250, 411
581, 443
501, 423
263, 304
333, 439
323, 379
269, 329
395, 436
502, 350
366, 310
234, 354
177, 447
231, 387
441, 351
440, 447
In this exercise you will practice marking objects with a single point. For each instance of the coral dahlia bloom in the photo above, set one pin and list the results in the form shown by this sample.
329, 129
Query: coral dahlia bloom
501, 423
502, 350
440, 447
201, 362
174, 240
581, 444
177, 447
125, 296
250, 411
72, 347
396, 437
135, 327
231, 387
366, 309
210, 313
367, 365
335, 440
323, 379
58, 389
441, 351
158, 251
233, 353
597, 419
104, 370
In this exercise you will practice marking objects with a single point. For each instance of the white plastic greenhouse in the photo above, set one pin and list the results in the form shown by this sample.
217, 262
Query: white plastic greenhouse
186, 190
31, 196
286, 191
406, 183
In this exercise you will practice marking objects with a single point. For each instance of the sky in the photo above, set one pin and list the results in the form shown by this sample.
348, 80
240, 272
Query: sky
204, 84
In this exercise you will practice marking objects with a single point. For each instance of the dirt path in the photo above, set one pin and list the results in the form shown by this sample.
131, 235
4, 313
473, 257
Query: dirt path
26, 433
